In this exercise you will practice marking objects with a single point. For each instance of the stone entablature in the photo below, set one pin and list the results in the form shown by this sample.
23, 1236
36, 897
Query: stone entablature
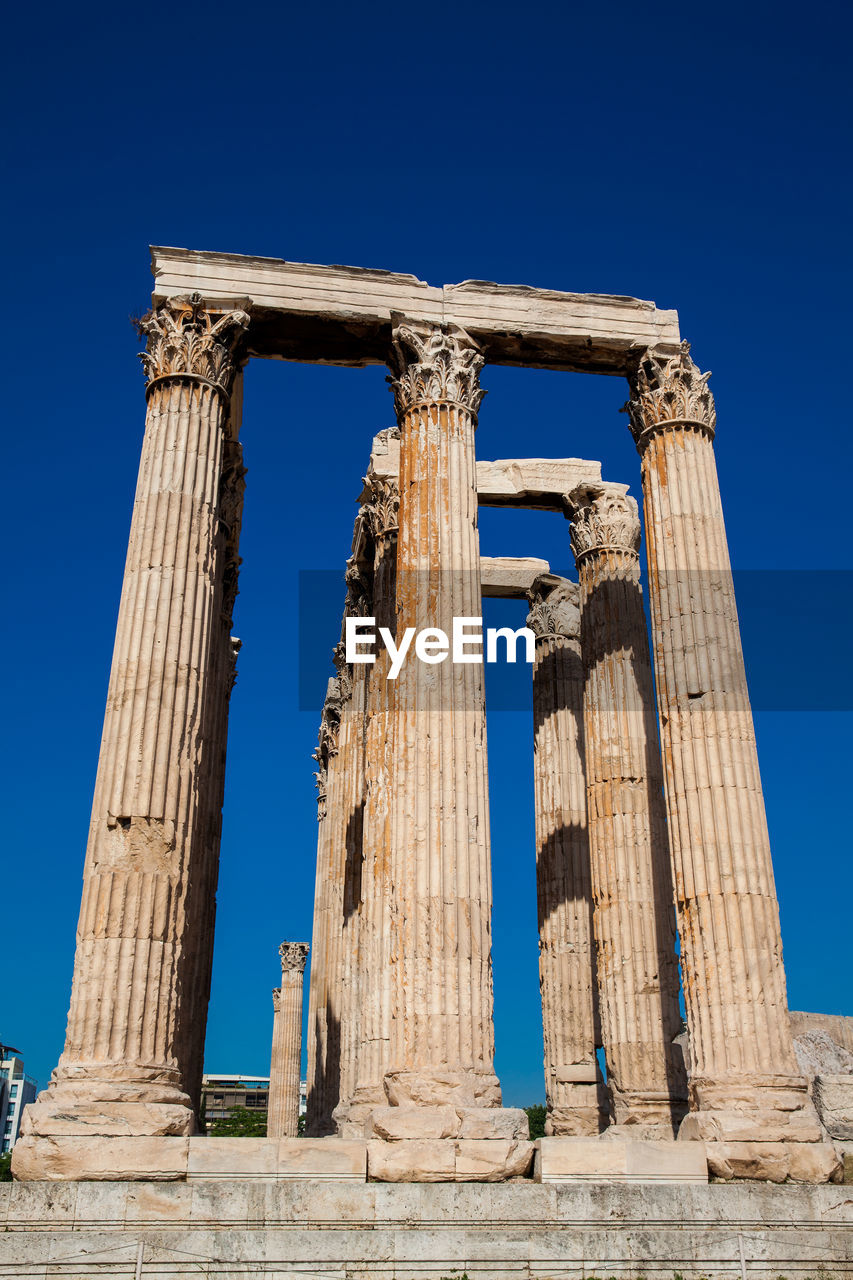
344, 315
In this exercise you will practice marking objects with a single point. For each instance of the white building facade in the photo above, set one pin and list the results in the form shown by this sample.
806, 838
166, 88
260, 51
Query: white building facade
16, 1090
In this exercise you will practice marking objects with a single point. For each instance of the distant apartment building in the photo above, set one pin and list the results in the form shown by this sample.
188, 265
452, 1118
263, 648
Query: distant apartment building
16, 1090
221, 1093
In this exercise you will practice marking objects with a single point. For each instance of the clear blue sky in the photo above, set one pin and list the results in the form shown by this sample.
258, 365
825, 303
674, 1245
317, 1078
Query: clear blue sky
694, 155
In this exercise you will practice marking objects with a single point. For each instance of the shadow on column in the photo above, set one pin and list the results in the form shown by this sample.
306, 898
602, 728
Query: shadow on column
325, 1095
619, 609
353, 866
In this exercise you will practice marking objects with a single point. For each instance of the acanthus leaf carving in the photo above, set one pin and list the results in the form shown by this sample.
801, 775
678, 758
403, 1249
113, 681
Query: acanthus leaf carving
358, 599
554, 607
330, 722
432, 362
669, 390
603, 518
344, 677
185, 337
235, 644
321, 782
293, 956
381, 510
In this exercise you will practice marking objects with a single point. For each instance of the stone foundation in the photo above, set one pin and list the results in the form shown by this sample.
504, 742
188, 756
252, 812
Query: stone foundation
516, 1231
621, 1160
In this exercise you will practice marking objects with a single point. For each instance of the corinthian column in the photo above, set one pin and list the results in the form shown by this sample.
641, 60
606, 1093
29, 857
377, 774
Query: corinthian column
744, 1080
323, 1072
634, 919
442, 1036
380, 506
286, 1061
346, 931
332, 999
573, 1086
133, 1050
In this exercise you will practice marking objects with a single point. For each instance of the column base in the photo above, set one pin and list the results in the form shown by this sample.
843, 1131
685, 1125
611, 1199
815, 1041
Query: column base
761, 1127
436, 1087
575, 1122
112, 1107
636, 1131
656, 1112
751, 1109
351, 1118
582, 1111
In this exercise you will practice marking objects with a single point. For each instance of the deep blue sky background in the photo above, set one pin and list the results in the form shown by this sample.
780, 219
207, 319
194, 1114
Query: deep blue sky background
695, 155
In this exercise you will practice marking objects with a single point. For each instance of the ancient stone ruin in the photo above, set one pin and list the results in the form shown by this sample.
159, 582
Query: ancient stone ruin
649, 817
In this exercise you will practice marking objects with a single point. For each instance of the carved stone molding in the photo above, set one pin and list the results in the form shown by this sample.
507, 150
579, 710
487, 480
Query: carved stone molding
381, 506
554, 607
669, 391
293, 956
321, 782
344, 670
330, 722
186, 338
431, 363
603, 518
235, 644
358, 600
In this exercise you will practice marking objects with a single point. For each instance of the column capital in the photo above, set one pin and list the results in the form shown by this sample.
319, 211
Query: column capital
433, 362
358, 602
380, 505
235, 644
330, 723
603, 518
554, 607
669, 391
344, 670
293, 956
187, 339
321, 782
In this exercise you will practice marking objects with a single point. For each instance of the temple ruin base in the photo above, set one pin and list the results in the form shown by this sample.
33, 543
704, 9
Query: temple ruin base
520, 1231
451, 1152
619, 1160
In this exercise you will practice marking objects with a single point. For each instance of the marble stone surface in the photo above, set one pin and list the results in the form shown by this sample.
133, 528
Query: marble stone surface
514, 1231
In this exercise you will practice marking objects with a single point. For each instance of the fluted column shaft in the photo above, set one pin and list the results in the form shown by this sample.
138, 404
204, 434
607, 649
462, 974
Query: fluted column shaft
333, 995
323, 1063
347, 930
442, 1036
286, 1060
573, 1086
731, 947
634, 917
381, 512
142, 967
